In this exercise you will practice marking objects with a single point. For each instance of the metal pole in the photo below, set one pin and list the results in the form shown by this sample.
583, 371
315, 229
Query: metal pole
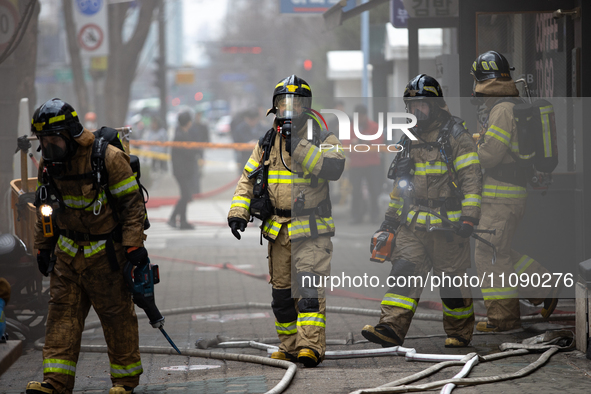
162, 60
365, 50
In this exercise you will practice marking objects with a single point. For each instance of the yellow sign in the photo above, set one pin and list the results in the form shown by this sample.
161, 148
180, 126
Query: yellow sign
186, 77
99, 63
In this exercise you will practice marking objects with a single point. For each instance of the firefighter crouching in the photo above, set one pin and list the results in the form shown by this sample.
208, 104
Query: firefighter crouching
440, 171
504, 196
286, 167
91, 241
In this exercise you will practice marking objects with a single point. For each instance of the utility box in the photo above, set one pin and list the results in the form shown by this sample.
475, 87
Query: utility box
583, 308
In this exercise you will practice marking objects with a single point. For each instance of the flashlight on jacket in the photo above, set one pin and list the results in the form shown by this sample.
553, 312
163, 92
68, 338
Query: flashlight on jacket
46, 220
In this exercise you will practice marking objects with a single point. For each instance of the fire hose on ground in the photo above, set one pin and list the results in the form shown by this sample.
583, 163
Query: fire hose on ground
410, 354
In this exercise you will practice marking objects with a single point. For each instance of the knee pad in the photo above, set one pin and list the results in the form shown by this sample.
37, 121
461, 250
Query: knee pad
401, 267
306, 284
308, 305
452, 297
283, 306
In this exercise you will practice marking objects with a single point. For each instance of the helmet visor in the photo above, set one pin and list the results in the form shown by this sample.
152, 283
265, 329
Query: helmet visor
54, 147
290, 106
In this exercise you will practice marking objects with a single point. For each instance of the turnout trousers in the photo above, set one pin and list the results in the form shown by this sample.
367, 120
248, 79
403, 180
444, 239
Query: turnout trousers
502, 300
74, 288
416, 253
297, 269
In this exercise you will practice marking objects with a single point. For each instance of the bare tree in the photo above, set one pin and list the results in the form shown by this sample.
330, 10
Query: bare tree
124, 56
122, 61
76, 62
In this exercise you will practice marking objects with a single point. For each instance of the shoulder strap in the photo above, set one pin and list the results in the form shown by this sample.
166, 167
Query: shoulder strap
452, 125
265, 140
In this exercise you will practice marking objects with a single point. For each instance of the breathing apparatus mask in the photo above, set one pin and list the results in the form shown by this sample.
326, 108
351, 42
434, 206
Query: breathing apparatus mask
290, 112
425, 110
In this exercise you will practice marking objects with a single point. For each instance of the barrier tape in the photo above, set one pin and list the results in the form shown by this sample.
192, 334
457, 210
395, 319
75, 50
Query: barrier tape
197, 145
247, 146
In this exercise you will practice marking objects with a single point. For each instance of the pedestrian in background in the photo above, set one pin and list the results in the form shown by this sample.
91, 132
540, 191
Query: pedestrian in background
246, 131
183, 169
199, 133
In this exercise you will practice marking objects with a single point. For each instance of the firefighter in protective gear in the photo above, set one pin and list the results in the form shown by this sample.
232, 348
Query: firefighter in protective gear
440, 171
300, 248
92, 240
504, 196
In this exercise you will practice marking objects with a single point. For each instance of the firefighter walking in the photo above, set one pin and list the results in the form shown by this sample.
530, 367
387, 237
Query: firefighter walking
284, 168
97, 225
504, 197
440, 171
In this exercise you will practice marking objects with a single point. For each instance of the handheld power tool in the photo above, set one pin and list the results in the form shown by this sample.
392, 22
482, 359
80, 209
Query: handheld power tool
140, 281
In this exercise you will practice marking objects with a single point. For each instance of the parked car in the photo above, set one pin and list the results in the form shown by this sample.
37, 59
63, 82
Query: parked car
222, 126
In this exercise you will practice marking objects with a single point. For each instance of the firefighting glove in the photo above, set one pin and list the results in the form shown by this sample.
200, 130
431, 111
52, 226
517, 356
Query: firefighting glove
137, 255
466, 229
23, 143
237, 224
44, 261
291, 142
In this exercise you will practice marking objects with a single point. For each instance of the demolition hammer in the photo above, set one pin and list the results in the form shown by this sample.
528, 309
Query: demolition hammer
456, 226
140, 281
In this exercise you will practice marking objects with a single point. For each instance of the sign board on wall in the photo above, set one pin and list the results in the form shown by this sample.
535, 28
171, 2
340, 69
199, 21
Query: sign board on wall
398, 14
92, 27
311, 6
431, 8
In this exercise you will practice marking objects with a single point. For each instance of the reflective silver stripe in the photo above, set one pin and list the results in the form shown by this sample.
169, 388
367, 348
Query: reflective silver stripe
124, 187
402, 302
272, 227
396, 203
499, 134
59, 366
459, 313
279, 178
311, 158
466, 160
67, 245
499, 293
120, 371
454, 215
310, 318
242, 202
524, 262
290, 329
297, 227
251, 165
94, 248
504, 191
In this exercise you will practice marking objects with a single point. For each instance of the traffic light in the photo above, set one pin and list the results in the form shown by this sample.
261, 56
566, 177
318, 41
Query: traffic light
307, 64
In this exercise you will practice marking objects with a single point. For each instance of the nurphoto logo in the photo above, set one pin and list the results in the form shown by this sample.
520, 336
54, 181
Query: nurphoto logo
344, 132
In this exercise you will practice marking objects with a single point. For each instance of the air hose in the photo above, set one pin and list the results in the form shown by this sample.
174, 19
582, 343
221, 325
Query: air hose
330, 309
290, 367
467, 361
